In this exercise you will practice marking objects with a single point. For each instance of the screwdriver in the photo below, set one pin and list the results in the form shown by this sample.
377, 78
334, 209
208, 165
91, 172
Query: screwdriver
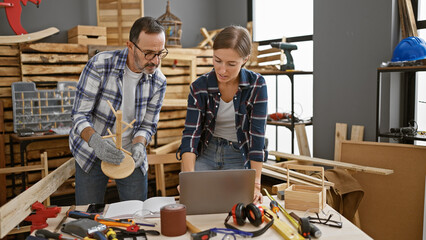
274, 207
43, 233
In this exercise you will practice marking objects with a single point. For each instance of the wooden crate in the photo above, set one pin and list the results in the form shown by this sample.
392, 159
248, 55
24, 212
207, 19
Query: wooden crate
300, 197
88, 35
118, 17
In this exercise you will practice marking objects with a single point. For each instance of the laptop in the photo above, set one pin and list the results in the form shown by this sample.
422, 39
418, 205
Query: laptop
216, 191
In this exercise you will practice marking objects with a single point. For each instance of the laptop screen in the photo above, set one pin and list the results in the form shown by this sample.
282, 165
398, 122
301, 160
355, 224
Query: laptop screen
215, 191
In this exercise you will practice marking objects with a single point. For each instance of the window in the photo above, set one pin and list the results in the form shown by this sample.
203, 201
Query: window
293, 19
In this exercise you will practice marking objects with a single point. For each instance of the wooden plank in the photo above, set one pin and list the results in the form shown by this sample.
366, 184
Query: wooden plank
86, 30
9, 61
298, 175
7, 102
53, 48
19, 208
357, 133
10, 71
411, 19
176, 95
302, 140
165, 140
392, 206
175, 103
171, 79
171, 123
192, 51
52, 69
175, 71
29, 37
168, 148
163, 133
283, 177
87, 40
325, 162
341, 132
172, 114
3, 196
53, 58
269, 58
51, 78
7, 81
5, 92
20, 169
9, 50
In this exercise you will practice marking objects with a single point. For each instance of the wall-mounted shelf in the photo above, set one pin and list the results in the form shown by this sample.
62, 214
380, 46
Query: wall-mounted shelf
402, 137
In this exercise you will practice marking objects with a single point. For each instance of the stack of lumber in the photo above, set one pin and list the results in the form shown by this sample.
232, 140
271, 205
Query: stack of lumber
51, 62
45, 64
181, 67
118, 17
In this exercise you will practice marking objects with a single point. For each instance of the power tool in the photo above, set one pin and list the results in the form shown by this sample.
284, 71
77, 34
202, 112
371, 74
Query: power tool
287, 48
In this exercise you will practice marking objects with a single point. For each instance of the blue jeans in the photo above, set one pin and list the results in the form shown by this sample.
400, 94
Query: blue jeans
91, 187
220, 154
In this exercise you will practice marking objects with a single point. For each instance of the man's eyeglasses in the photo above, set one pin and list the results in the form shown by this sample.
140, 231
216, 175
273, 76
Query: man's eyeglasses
149, 55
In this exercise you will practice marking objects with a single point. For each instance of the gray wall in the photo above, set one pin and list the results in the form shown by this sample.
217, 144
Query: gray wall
62, 14
351, 40
65, 14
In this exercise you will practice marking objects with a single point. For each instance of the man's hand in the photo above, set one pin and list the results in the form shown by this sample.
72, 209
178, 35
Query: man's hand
138, 154
105, 149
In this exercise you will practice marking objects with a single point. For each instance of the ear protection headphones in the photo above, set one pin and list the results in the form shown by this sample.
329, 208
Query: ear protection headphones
253, 213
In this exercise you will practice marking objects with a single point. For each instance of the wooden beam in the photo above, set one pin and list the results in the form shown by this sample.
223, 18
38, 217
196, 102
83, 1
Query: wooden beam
298, 175
168, 148
341, 132
281, 176
326, 162
357, 133
16, 210
54, 48
302, 140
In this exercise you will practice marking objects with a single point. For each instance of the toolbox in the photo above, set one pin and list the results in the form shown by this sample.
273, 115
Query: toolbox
42, 110
302, 197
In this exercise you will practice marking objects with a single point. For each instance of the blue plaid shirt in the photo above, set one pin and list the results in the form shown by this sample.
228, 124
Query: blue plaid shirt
250, 104
100, 81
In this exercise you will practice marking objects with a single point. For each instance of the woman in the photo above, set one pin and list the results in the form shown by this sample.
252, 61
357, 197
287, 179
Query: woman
226, 115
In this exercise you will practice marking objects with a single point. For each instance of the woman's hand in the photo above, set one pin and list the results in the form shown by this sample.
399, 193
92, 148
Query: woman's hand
258, 197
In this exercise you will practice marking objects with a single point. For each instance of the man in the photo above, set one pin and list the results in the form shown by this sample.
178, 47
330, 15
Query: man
131, 81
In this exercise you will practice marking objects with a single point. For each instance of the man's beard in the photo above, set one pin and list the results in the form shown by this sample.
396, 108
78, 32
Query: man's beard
143, 69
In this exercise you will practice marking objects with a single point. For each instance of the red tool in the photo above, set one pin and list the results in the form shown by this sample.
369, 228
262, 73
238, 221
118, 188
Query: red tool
38, 219
13, 13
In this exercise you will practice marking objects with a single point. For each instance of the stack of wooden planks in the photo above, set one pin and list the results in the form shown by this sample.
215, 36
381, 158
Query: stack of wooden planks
45, 64
181, 67
118, 17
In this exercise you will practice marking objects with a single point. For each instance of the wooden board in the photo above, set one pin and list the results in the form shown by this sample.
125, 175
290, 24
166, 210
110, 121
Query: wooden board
392, 207
325, 162
30, 37
19, 208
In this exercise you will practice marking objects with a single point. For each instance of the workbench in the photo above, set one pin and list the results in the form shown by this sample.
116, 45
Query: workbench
203, 222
